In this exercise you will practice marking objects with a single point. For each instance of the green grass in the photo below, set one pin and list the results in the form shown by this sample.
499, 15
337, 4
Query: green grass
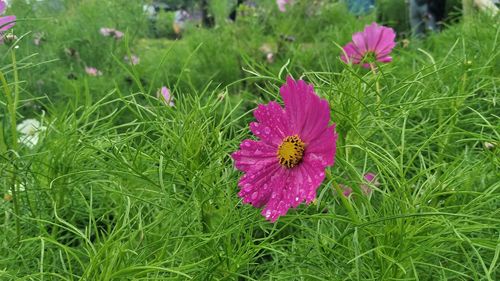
122, 187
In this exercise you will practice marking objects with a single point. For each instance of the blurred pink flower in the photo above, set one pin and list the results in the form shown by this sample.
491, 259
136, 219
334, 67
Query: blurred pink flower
6, 22
111, 32
287, 164
281, 4
375, 43
92, 71
167, 98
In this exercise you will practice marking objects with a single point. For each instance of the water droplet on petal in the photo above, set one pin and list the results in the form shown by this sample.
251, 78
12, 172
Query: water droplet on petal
297, 199
267, 130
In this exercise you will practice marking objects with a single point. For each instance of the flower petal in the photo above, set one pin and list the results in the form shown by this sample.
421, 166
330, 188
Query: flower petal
294, 187
7, 22
307, 114
272, 127
353, 54
360, 42
254, 155
324, 146
372, 34
257, 187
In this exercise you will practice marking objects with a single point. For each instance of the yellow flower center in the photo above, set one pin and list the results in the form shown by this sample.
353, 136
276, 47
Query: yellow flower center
291, 151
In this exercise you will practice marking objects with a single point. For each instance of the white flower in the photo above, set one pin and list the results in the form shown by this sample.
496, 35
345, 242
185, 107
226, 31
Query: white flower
29, 130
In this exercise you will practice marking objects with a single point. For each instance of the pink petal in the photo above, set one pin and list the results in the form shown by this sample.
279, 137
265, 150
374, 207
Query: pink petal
359, 40
314, 171
7, 22
291, 187
307, 114
372, 34
385, 59
257, 187
386, 41
369, 177
283, 195
2, 6
323, 147
272, 126
254, 155
165, 93
353, 54
372, 179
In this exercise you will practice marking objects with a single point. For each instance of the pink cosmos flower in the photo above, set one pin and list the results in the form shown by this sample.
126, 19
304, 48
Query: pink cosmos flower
167, 98
92, 71
6, 22
281, 4
370, 178
375, 43
287, 165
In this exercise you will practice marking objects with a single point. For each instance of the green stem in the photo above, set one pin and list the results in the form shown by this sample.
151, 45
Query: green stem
15, 143
12, 110
345, 202
377, 85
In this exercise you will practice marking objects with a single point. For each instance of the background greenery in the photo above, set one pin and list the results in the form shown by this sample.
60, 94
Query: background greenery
122, 187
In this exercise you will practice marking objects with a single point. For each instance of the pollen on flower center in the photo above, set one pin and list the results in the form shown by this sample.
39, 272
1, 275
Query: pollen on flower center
291, 151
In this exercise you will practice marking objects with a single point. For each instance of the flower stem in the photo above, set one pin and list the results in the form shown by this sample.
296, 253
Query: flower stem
344, 200
377, 84
12, 101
